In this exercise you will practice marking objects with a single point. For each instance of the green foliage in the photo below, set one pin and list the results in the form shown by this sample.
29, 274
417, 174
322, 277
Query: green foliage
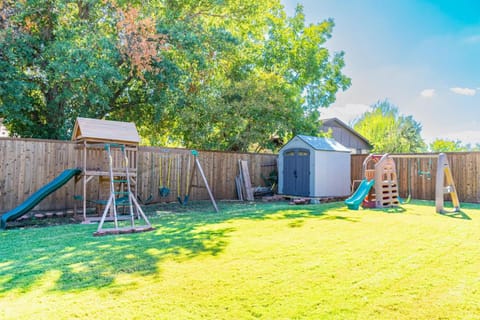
211, 74
61, 64
441, 145
388, 131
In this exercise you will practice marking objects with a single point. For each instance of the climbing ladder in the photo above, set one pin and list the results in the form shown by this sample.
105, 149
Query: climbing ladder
386, 183
381, 169
122, 195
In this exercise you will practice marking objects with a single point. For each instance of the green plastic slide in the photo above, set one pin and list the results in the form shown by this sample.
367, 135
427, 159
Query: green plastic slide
354, 202
38, 196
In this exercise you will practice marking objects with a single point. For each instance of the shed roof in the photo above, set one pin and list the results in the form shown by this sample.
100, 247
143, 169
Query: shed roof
96, 130
323, 144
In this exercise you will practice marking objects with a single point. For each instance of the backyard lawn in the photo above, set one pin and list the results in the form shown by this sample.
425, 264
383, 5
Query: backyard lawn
266, 261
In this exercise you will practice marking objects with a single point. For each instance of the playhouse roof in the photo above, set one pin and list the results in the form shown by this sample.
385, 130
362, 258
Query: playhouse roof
323, 144
95, 130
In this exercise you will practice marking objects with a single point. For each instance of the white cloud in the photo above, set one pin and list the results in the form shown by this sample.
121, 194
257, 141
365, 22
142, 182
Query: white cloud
347, 113
427, 93
463, 91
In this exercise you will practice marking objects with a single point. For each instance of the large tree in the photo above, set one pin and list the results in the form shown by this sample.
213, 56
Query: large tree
207, 74
388, 130
62, 59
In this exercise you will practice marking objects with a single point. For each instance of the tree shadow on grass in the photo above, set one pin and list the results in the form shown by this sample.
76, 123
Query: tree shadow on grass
86, 262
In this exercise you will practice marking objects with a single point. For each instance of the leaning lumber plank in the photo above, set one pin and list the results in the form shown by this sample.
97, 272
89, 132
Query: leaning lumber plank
246, 180
238, 184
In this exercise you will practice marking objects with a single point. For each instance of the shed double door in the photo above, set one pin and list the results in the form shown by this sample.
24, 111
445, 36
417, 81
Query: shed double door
296, 172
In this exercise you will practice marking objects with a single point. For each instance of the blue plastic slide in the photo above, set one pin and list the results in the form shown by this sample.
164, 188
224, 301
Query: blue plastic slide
38, 196
356, 199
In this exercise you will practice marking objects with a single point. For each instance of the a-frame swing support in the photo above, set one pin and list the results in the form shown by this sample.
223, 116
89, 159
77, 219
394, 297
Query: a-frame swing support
444, 174
197, 165
444, 183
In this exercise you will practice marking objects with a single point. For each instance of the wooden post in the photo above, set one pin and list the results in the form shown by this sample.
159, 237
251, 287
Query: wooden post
84, 181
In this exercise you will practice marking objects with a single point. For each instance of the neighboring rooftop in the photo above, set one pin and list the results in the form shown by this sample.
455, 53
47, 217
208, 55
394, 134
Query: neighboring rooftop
346, 135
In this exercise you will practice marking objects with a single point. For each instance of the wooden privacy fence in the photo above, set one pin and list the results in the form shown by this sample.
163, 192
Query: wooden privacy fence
416, 176
28, 164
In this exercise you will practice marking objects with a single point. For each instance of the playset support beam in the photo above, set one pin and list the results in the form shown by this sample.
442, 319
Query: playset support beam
197, 165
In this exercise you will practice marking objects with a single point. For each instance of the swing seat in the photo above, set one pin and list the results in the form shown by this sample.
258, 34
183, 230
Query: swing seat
163, 191
406, 200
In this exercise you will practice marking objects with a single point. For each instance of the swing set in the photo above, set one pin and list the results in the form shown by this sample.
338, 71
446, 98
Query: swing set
444, 183
164, 186
192, 173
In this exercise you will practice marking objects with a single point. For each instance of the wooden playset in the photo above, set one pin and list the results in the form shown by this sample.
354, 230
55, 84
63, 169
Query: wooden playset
107, 154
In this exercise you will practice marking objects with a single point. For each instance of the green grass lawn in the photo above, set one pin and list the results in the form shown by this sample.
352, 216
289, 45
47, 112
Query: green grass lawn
267, 261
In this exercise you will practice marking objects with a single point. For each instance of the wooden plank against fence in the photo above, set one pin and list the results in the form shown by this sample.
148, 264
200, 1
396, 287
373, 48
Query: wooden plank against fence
246, 180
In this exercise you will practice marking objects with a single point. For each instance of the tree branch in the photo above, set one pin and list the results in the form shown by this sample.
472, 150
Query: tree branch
119, 92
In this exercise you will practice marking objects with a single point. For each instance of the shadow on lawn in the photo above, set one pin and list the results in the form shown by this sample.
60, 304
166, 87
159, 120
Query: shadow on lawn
449, 210
457, 215
84, 261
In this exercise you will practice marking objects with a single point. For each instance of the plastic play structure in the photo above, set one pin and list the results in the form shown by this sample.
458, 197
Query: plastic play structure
38, 196
379, 187
354, 202
444, 174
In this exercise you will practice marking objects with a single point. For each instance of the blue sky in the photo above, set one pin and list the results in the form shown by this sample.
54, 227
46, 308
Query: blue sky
423, 56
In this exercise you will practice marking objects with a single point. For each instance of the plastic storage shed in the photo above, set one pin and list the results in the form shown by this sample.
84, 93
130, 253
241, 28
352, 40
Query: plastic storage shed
314, 167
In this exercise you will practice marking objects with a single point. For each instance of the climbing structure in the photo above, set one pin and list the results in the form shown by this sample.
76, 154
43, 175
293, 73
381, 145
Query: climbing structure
384, 194
92, 186
386, 183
